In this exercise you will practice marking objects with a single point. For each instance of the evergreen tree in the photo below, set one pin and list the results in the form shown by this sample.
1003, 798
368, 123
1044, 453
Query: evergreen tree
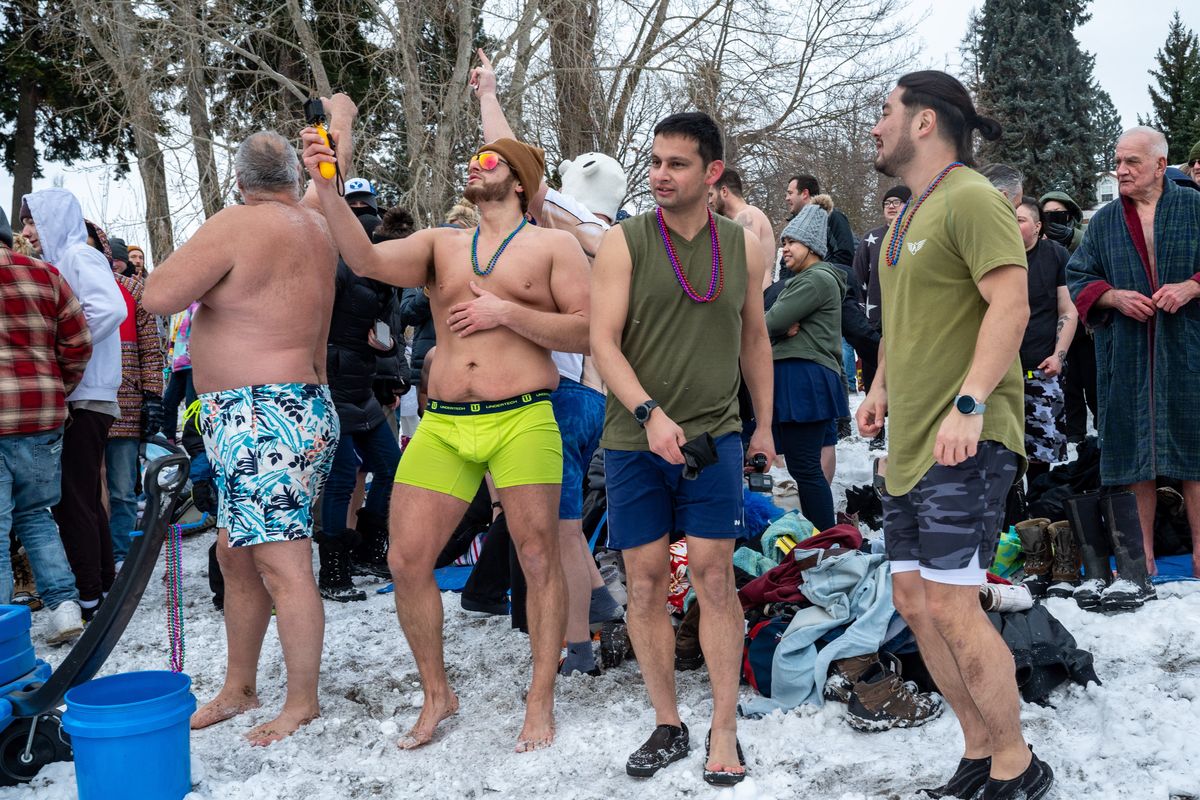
1176, 101
1037, 81
41, 108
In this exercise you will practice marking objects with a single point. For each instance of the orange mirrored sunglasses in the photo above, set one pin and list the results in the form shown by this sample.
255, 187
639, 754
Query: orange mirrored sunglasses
488, 160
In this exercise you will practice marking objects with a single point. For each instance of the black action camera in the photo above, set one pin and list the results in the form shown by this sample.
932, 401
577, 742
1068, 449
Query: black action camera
314, 111
758, 480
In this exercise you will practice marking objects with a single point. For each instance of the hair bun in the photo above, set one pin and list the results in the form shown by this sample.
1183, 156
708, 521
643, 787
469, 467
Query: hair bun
988, 128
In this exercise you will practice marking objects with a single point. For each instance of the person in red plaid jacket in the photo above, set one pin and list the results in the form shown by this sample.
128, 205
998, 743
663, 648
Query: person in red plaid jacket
44, 347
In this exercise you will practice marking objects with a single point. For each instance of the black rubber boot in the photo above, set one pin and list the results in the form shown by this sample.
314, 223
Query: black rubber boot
1132, 587
369, 557
1087, 523
334, 578
216, 581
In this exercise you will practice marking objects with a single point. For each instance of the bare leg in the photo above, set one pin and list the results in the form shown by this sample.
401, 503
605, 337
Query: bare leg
710, 564
829, 462
910, 599
532, 513
1191, 499
1147, 503
572, 549
646, 570
357, 497
987, 670
286, 569
247, 614
421, 523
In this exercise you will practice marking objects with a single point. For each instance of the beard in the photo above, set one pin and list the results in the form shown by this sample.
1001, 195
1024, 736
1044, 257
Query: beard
483, 192
718, 205
903, 153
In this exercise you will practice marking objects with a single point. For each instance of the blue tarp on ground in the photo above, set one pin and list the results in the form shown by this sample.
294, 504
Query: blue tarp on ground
1172, 568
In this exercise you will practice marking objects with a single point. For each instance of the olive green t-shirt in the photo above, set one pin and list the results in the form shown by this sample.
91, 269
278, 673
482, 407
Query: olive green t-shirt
932, 311
685, 354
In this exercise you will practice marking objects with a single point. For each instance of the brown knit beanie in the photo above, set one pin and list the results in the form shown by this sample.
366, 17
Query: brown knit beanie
528, 163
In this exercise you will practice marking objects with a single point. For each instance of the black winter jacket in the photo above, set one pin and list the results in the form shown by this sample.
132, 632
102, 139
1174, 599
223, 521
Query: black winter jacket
415, 311
352, 362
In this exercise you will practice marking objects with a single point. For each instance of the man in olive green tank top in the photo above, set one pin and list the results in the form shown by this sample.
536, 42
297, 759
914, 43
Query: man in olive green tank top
676, 304
955, 304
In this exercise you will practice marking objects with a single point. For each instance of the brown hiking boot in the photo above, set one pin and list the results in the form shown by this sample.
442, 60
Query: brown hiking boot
1038, 561
24, 590
1067, 560
881, 701
688, 655
844, 673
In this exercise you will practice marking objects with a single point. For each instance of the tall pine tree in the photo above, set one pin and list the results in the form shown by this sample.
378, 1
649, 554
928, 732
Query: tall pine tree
1176, 101
1037, 81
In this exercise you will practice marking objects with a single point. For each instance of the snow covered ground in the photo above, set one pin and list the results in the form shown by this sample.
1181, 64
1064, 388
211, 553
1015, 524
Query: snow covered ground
1129, 739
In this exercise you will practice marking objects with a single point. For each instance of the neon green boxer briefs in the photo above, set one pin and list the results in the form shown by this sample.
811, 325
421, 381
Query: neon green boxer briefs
517, 440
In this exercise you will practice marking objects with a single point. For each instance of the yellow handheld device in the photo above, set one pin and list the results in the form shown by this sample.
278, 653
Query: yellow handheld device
314, 114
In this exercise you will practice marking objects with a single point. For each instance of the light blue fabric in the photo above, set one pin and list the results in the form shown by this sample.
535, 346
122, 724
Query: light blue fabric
790, 524
851, 588
751, 561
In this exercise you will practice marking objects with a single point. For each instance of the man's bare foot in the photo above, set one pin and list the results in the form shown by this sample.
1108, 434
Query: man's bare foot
226, 705
281, 727
722, 752
538, 731
433, 712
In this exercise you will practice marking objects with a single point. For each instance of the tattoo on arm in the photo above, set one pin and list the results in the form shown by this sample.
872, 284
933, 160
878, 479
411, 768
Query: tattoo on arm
1062, 321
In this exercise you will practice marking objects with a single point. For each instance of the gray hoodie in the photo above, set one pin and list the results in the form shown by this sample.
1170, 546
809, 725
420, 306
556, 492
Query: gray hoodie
63, 239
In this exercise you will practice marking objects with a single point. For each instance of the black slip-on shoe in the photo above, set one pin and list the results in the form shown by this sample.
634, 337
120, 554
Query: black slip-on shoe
966, 782
666, 745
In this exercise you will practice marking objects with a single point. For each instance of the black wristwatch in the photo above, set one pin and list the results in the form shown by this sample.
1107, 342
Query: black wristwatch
966, 404
642, 412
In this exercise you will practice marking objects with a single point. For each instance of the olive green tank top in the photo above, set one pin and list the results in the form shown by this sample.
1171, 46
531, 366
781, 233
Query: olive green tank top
684, 353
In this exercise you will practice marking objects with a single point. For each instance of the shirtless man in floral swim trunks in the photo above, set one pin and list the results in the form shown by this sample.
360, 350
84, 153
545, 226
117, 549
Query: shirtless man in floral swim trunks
263, 273
503, 295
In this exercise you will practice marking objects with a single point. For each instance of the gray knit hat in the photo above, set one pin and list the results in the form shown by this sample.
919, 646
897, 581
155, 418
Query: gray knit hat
810, 227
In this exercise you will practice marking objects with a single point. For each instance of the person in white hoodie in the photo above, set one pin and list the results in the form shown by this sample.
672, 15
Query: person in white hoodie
54, 224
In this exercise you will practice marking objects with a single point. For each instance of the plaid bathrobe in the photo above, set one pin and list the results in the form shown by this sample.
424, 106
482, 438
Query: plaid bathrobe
1148, 374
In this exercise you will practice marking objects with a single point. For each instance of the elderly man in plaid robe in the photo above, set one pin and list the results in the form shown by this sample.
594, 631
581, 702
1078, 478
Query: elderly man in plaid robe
1136, 279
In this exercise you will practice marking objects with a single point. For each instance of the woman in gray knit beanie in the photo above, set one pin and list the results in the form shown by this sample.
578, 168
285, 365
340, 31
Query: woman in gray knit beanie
805, 324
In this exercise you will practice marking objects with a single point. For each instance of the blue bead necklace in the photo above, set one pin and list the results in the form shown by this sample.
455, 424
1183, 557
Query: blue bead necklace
496, 255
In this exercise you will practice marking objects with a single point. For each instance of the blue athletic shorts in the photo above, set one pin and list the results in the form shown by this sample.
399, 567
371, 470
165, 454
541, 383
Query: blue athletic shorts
830, 439
579, 412
649, 498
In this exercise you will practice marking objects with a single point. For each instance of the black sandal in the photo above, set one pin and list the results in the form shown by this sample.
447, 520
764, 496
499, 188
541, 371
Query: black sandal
666, 745
720, 777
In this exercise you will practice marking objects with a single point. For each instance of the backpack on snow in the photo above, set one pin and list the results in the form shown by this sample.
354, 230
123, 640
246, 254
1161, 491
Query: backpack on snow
759, 652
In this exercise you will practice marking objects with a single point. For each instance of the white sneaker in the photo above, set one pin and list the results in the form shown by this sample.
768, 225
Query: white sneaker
66, 622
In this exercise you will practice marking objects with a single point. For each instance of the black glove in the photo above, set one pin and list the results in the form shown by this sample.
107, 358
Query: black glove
204, 496
152, 414
387, 390
698, 454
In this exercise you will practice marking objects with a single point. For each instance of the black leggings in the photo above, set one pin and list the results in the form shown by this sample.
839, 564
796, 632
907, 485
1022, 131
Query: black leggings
800, 443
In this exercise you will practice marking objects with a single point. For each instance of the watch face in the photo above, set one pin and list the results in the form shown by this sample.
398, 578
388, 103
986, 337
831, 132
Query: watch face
965, 404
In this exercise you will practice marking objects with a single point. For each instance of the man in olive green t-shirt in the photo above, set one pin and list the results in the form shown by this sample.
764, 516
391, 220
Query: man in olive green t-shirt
955, 305
676, 302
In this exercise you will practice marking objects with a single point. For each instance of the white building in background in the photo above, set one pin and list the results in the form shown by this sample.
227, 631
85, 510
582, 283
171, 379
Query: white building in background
1106, 192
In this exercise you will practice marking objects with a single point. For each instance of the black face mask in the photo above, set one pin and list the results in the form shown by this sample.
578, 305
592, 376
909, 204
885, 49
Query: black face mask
362, 211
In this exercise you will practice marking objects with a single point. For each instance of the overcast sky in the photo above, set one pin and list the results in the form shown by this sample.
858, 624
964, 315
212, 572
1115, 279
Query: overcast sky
1124, 43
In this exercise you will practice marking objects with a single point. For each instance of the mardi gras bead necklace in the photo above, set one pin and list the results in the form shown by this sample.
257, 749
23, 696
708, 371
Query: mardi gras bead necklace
717, 282
900, 227
496, 255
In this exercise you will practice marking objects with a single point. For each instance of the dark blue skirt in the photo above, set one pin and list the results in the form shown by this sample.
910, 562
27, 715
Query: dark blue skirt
805, 391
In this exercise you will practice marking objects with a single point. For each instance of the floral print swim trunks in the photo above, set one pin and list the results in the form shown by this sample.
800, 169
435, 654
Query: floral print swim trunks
271, 448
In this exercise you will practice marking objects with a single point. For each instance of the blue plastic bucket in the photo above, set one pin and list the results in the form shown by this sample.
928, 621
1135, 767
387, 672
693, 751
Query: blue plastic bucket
130, 735
16, 650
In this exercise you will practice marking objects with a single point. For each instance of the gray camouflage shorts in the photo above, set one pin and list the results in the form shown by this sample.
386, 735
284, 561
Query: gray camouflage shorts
1045, 441
950, 521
